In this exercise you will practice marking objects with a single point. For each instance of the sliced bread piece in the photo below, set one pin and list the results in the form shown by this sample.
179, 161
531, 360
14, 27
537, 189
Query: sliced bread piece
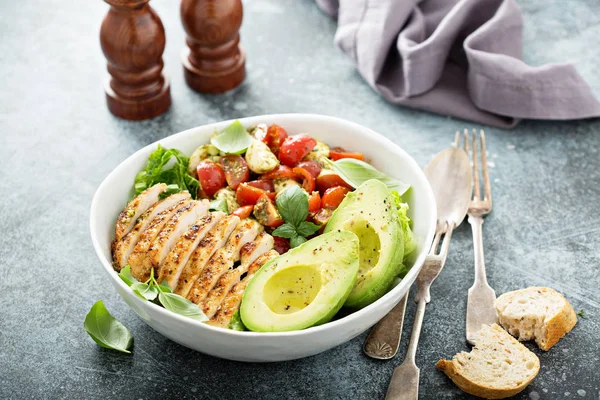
497, 367
538, 313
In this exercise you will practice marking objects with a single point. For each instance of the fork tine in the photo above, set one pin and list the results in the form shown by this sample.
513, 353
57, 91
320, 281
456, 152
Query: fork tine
436, 242
457, 139
476, 188
466, 135
487, 187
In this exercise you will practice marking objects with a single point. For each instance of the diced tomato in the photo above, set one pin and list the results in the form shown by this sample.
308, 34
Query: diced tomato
314, 202
337, 153
243, 212
322, 216
281, 172
311, 166
275, 137
266, 212
236, 170
211, 177
263, 184
248, 195
327, 181
333, 197
294, 148
281, 245
308, 182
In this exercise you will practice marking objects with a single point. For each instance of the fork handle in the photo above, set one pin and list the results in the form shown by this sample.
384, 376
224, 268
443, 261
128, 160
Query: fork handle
476, 223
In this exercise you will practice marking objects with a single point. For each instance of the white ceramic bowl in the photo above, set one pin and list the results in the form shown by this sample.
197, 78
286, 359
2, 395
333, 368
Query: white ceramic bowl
113, 193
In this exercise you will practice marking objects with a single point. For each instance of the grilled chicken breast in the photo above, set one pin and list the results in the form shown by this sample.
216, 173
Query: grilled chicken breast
233, 299
214, 240
177, 258
223, 259
122, 248
248, 254
173, 230
135, 208
140, 268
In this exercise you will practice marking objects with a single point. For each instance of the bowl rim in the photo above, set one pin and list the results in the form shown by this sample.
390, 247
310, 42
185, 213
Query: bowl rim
251, 334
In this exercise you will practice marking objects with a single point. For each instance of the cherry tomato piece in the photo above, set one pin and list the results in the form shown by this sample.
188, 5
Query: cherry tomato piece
337, 153
281, 172
266, 212
211, 178
308, 182
248, 195
265, 185
236, 170
333, 197
311, 166
243, 212
294, 148
275, 137
281, 245
327, 181
322, 216
314, 202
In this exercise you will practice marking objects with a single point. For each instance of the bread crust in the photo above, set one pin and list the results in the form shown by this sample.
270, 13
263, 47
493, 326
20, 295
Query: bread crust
474, 388
559, 326
452, 368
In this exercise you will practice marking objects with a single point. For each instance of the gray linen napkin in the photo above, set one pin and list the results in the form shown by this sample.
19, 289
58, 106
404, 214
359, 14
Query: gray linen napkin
458, 58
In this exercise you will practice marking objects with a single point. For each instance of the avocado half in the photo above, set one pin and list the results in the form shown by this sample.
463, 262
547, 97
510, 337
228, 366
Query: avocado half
371, 213
304, 287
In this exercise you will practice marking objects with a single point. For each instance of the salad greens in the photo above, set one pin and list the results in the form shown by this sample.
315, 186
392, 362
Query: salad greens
161, 294
234, 139
292, 205
106, 330
410, 244
356, 172
236, 323
219, 205
168, 166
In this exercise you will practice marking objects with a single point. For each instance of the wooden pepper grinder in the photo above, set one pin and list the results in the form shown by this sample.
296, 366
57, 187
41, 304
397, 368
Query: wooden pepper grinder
133, 40
214, 61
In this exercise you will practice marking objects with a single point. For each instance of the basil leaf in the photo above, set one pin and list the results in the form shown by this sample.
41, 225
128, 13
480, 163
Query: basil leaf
145, 291
182, 306
286, 230
106, 330
125, 275
168, 166
292, 204
307, 228
219, 205
236, 322
297, 241
164, 287
234, 139
356, 172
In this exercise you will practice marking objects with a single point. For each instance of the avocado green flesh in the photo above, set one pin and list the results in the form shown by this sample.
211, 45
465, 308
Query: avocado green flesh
304, 287
371, 214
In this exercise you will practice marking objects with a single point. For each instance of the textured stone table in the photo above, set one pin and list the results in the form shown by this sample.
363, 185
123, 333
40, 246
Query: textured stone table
58, 142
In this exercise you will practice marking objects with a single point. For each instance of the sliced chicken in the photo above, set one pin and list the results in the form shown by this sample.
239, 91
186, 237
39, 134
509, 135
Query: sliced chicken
223, 259
140, 267
173, 265
213, 241
135, 208
232, 301
248, 254
123, 248
173, 230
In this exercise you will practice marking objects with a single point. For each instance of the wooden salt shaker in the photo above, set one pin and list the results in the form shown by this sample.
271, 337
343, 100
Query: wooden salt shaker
133, 40
213, 61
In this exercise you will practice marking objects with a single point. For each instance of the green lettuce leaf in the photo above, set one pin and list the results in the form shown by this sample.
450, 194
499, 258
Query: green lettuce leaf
410, 244
168, 166
236, 323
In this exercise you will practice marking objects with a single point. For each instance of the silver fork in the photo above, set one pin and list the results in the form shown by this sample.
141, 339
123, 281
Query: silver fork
481, 298
405, 379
